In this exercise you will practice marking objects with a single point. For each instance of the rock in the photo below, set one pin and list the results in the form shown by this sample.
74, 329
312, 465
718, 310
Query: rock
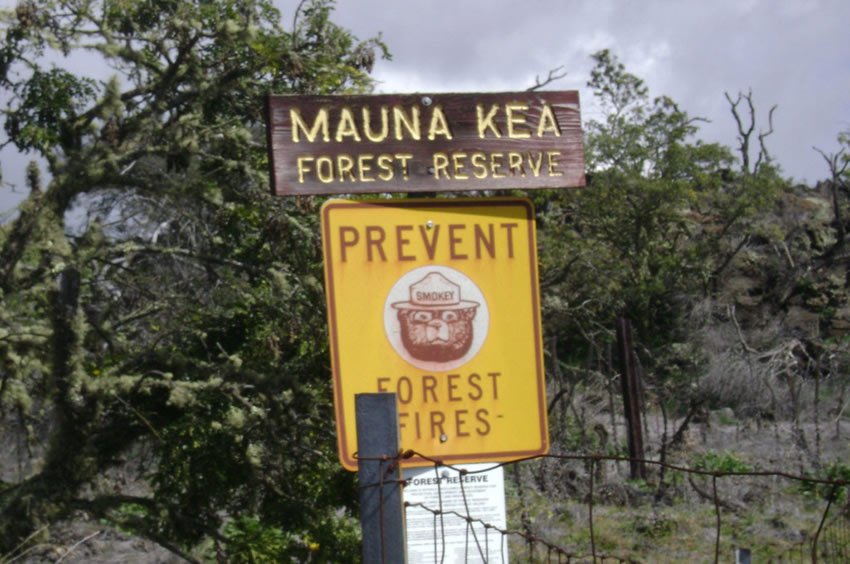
744, 290
819, 210
840, 323
802, 322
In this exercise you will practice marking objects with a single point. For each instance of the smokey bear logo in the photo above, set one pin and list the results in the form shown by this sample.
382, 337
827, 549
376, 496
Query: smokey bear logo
443, 320
436, 325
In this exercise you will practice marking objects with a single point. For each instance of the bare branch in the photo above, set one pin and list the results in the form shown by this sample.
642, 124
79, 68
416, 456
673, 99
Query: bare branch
745, 131
764, 156
554, 75
79, 543
747, 348
832, 162
836, 172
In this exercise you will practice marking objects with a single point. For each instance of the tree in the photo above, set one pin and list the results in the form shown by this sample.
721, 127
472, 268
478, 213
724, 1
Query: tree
662, 218
178, 302
838, 164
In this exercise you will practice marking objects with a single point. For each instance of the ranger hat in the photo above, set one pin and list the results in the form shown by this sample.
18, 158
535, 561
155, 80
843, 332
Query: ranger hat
435, 291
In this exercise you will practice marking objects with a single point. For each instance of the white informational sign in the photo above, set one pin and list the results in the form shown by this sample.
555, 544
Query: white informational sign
447, 537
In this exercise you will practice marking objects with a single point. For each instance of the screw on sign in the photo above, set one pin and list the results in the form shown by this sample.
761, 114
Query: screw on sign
437, 301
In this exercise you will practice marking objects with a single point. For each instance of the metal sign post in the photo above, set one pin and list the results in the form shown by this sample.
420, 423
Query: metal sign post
381, 511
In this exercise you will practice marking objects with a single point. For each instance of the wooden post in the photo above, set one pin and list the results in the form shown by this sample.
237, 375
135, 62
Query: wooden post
381, 510
631, 399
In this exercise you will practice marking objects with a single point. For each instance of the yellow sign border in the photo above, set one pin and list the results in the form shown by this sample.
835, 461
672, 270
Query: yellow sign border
343, 427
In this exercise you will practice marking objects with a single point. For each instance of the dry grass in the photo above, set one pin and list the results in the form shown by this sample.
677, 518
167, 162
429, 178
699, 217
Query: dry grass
769, 515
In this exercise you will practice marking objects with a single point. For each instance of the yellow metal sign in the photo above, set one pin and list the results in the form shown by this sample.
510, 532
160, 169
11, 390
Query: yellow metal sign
437, 301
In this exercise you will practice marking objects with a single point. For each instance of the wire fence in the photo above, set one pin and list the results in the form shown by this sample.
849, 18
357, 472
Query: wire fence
830, 541
835, 543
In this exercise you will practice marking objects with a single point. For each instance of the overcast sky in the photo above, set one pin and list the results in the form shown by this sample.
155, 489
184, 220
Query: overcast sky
792, 53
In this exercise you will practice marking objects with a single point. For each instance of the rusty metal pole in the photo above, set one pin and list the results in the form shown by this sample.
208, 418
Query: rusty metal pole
631, 399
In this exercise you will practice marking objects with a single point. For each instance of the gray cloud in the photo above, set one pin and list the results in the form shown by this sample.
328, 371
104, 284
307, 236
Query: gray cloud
792, 53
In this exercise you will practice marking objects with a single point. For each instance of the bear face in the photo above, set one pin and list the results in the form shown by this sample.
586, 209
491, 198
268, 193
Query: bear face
436, 335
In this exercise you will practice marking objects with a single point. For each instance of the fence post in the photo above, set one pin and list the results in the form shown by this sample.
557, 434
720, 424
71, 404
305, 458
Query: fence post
631, 399
742, 556
381, 510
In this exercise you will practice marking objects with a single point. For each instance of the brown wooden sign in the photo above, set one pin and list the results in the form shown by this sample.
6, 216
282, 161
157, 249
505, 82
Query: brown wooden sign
424, 142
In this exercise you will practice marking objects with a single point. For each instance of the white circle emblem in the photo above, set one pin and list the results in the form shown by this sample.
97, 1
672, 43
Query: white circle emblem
436, 318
